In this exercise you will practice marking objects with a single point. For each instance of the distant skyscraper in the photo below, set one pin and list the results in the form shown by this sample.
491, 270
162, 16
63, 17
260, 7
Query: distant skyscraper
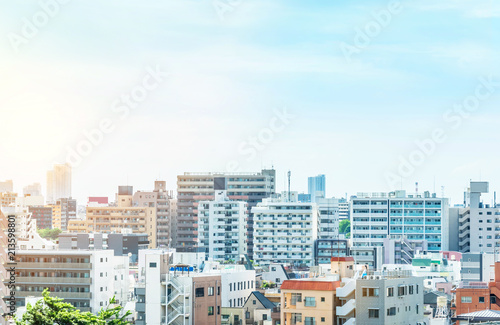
316, 186
7, 186
58, 183
34, 189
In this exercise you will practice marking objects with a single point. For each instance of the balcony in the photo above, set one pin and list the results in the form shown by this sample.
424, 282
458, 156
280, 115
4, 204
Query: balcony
64, 295
52, 266
53, 280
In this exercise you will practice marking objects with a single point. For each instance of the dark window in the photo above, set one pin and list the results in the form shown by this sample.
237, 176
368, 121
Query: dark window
200, 292
391, 311
210, 310
372, 313
322, 299
152, 264
481, 299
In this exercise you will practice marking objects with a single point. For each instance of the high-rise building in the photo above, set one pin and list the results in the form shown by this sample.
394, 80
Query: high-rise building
195, 187
328, 218
316, 186
58, 182
478, 223
34, 189
376, 216
7, 186
285, 231
159, 199
344, 209
122, 217
42, 215
63, 211
222, 226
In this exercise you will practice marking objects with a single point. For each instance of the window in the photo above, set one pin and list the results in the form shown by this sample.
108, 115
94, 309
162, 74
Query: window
264, 316
278, 280
152, 264
323, 319
391, 311
372, 313
230, 287
200, 292
401, 291
254, 302
218, 310
210, 310
410, 290
370, 292
296, 297
322, 299
390, 292
296, 318
310, 321
247, 315
310, 302
218, 291
273, 269
466, 300
481, 299
416, 309
210, 291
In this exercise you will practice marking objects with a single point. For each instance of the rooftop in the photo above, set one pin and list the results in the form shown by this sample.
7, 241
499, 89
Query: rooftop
310, 285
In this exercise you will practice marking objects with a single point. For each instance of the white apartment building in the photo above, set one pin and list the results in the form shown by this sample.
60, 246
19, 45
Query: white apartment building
328, 218
478, 223
86, 279
285, 231
222, 227
376, 216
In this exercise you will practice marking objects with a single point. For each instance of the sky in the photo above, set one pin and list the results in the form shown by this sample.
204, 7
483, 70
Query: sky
376, 95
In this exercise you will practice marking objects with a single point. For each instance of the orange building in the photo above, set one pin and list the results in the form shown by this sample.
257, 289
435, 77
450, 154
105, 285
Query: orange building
476, 296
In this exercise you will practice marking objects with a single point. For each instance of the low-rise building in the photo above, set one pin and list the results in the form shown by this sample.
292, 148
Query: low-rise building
308, 302
258, 309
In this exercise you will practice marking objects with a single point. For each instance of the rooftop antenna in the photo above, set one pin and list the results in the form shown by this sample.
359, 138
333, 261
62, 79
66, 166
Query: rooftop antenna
289, 175
416, 187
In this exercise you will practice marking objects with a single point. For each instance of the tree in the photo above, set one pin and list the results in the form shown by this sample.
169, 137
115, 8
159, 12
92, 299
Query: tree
345, 227
53, 311
49, 233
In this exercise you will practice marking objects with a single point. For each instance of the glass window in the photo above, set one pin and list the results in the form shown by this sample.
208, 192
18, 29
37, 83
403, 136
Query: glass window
391, 311
481, 299
200, 292
310, 302
466, 300
372, 313
310, 321
210, 310
210, 291
390, 292
296, 297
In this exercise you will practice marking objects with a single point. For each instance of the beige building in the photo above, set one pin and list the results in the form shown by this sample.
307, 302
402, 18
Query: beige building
308, 302
8, 199
56, 215
117, 218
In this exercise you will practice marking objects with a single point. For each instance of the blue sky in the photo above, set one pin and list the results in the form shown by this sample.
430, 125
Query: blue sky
353, 121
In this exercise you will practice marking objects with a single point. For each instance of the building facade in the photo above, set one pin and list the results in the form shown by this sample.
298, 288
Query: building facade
58, 182
376, 216
316, 187
222, 228
42, 215
285, 231
195, 187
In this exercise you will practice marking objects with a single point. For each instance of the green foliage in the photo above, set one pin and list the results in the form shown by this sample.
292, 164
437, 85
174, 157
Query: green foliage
268, 284
53, 311
345, 226
49, 233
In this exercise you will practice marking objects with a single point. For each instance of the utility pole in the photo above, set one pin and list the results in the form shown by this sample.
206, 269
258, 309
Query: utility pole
289, 175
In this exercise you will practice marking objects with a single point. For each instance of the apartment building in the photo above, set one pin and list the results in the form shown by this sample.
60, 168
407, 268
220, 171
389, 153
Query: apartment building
160, 199
123, 217
222, 226
58, 182
34, 189
328, 218
195, 187
344, 209
7, 199
401, 250
308, 302
384, 297
42, 215
127, 244
479, 223
285, 231
325, 249
82, 278
176, 294
477, 267
376, 216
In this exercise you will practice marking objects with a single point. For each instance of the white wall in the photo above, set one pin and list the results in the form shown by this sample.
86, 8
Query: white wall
102, 275
245, 278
